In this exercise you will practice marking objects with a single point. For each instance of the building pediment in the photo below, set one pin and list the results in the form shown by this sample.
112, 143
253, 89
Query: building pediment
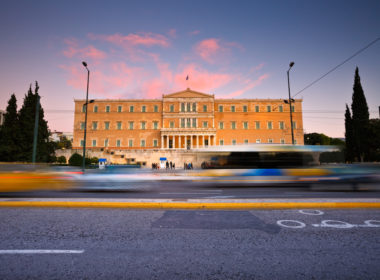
188, 93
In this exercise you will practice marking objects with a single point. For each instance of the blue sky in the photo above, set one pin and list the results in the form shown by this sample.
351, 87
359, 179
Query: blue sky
233, 49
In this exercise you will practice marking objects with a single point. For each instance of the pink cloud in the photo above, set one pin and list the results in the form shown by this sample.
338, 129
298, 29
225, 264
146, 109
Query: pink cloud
140, 39
250, 85
172, 33
87, 52
201, 79
207, 49
195, 32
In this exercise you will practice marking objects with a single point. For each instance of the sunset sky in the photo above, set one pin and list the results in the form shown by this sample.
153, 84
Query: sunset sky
233, 49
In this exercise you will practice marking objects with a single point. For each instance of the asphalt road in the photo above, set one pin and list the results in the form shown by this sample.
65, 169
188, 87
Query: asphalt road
126, 244
178, 190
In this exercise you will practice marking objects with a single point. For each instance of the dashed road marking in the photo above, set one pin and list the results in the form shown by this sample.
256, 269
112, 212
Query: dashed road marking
288, 224
41, 251
311, 212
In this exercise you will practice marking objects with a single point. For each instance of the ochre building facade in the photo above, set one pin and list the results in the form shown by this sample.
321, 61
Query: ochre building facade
185, 120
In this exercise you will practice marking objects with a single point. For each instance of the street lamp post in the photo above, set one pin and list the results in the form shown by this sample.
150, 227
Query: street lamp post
85, 118
290, 100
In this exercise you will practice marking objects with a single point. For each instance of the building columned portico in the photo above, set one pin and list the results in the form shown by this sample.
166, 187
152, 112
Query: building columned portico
187, 139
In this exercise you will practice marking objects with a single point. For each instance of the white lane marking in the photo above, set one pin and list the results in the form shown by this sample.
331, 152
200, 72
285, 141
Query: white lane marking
222, 196
340, 224
296, 224
41, 251
311, 212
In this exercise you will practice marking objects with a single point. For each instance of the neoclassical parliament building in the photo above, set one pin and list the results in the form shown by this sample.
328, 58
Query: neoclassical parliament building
185, 120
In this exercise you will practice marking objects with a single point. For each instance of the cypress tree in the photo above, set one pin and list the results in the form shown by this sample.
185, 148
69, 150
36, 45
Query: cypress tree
27, 118
10, 133
349, 152
360, 119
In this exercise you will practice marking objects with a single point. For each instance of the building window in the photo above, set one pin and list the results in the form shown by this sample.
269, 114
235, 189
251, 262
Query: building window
204, 108
194, 122
155, 125
282, 141
155, 143
269, 108
94, 143
295, 142
106, 143
233, 108
188, 107
118, 125
143, 124
84, 108
106, 125
233, 142
171, 124
294, 125
205, 124
130, 143
108, 108
143, 108
270, 125
281, 125
142, 143
131, 109
182, 107
171, 108
182, 123
82, 125
95, 109
280, 108
221, 125
94, 125
245, 125
246, 141
257, 124
188, 122
233, 125
131, 125
155, 108
221, 142
194, 107
220, 108
118, 143
81, 143
119, 109
292, 108
257, 108
258, 141
270, 141
245, 108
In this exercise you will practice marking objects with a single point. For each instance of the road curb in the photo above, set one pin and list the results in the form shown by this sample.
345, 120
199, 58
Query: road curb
190, 205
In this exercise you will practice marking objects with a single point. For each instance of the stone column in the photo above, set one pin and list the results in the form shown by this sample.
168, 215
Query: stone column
191, 141
203, 141
162, 141
167, 141
197, 141
174, 141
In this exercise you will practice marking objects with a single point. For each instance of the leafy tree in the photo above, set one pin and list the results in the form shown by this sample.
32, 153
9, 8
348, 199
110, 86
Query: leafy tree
45, 148
94, 160
360, 120
349, 134
63, 143
61, 160
374, 135
10, 133
321, 139
77, 160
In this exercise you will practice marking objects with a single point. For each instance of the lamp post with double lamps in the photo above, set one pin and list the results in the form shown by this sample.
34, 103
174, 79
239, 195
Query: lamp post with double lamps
85, 118
289, 101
